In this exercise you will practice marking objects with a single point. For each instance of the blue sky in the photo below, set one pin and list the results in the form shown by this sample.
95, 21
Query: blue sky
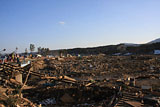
61, 24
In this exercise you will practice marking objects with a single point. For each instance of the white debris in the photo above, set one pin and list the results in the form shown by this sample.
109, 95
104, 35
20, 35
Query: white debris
48, 101
90, 65
127, 54
117, 54
23, 65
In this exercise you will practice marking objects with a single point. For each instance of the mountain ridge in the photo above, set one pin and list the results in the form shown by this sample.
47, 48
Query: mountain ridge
154, 41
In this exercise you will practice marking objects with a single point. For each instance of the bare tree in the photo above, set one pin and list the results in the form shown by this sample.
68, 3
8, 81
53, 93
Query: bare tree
44, 51
26, 51
32, 47
39, 49
47, 51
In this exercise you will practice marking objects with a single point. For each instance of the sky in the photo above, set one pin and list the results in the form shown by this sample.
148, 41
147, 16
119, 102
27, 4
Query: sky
63, 24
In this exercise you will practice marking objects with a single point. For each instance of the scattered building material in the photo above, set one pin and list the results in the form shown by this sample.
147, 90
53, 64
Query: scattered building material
66, 98
93, 80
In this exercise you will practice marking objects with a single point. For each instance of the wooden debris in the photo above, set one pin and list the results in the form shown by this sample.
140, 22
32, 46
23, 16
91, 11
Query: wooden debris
66, 98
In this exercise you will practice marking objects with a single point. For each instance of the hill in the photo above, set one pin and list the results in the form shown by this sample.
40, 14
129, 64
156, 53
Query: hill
154, 41
123, 48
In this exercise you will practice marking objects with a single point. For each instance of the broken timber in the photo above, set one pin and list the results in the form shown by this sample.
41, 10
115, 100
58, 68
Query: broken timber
62, 78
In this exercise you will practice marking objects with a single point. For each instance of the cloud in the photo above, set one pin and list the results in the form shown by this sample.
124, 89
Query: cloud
62, 22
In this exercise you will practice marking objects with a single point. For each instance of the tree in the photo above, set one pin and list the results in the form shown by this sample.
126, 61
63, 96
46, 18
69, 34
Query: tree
26, 51
32, 47
43, 51
46, 51
39, 49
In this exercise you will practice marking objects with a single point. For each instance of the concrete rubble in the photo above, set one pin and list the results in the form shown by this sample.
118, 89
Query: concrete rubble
87, 81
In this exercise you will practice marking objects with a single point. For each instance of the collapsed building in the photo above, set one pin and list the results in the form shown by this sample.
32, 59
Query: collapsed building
97, 80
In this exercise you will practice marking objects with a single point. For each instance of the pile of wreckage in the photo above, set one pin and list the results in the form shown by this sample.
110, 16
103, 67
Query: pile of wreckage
103, 81
27, 87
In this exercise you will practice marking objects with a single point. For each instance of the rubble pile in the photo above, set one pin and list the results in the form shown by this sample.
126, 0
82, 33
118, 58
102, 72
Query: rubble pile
98, 65
71, 95
95, 80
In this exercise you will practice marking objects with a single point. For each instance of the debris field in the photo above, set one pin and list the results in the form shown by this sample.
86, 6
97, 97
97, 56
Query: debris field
88, 81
